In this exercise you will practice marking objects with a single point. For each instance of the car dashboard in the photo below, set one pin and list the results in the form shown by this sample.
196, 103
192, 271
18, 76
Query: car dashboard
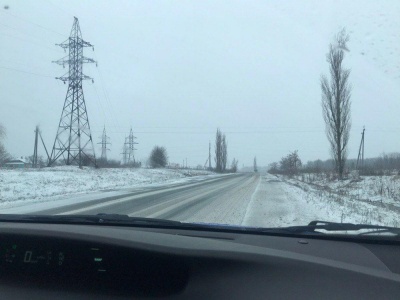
101, 262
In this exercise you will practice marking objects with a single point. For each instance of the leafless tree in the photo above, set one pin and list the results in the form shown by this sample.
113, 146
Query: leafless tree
218, 151
221, 152
234, 165
158, 157
336, 103
224, 152
290, 164
2, 131
4, 156
273, 168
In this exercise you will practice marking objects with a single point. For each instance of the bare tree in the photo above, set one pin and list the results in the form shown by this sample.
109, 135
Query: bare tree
2, 131
336, 102
290, 164
273, 168
224, 152
234, 165
221, 152
218, 151
158, 157
4, 156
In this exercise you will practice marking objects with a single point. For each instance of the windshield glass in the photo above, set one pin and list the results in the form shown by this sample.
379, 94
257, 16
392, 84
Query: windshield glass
245, 113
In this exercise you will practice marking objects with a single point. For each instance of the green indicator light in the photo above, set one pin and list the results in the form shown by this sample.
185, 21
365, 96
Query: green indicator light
14, 247
98, 259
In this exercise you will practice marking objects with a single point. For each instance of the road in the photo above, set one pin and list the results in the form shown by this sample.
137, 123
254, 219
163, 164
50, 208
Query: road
245, 199
237, 199
222, 199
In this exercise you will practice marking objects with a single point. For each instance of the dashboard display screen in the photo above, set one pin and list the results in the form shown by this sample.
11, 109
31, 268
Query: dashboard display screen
52, 262
36, 254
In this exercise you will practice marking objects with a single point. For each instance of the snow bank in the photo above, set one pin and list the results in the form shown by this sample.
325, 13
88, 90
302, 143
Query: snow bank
31, 185
370, 200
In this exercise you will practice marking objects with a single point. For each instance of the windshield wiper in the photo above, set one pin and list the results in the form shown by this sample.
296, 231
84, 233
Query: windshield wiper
314, 226
332, 226
105, 219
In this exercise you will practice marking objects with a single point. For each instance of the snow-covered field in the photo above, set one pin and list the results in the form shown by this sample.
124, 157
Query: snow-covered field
369, 199
19, 187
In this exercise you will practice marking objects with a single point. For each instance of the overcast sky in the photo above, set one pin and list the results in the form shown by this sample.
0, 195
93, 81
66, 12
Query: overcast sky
174, 71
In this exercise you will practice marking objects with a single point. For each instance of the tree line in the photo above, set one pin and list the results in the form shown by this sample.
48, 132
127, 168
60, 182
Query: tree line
158, 157
291, 164
288, 165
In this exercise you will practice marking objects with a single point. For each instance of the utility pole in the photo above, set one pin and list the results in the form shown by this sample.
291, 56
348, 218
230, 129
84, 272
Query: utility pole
209, 155
360, 158
255, 165
104, 142
125, 152
35, 149
73, 140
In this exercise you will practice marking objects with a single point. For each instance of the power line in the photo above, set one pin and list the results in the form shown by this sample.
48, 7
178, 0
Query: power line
33, 43
99, 101
21, 31
38, 25
213, 132
20, 63
26, 72
106, 95
107, 100
65, 11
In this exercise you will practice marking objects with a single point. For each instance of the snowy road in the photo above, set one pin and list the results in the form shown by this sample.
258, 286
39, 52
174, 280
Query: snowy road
238, 199
275, 203
256, 200
222, 199
242, 199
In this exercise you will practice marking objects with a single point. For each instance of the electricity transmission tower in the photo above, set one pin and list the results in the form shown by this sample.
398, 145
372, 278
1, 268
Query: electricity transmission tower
131, 147
104, 142
128, 156
73, 140
360, 158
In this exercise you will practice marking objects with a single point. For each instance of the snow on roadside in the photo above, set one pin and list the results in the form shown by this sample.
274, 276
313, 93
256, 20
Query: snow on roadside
384, 189
32, 185
276, 203
349, 201
279, 201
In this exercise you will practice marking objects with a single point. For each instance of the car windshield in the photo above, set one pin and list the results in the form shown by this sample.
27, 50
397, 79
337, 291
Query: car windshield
262, 114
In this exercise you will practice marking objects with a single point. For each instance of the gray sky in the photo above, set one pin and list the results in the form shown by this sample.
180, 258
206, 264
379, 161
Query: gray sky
174, 71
